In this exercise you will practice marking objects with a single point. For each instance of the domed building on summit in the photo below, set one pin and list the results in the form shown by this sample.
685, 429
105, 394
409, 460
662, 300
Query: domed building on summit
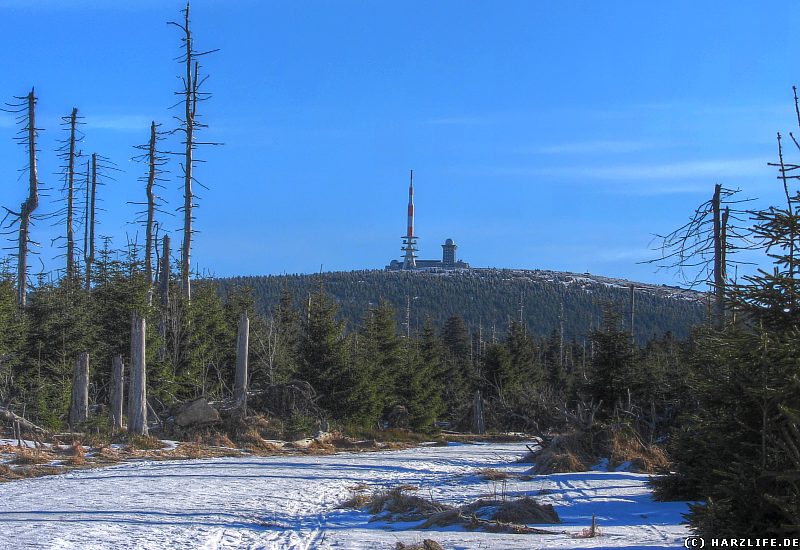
410, 261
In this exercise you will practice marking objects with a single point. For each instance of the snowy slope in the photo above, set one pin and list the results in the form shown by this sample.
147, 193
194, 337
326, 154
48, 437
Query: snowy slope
290, 502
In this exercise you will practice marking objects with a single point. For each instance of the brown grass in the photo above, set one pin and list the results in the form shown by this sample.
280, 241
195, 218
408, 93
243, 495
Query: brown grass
26, 456
357, 501
577, 451
144, 442
491, 474
523, 510
589, 532
7, 473
253, 441
77, 456
503, 516
107, 454
426, 544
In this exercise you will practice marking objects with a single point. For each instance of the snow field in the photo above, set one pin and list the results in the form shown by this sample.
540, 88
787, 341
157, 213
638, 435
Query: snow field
291, 502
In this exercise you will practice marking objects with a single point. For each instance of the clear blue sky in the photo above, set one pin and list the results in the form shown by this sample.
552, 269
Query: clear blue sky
542, 134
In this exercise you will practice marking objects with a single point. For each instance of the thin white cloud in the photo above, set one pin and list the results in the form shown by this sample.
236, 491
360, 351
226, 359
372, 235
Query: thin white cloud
682, 170
588, 147
713, 168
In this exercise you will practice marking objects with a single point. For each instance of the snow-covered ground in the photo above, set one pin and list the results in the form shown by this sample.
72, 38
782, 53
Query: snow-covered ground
291, 502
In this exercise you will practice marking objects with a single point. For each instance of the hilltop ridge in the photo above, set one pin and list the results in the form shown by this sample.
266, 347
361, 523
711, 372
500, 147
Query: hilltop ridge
488, 298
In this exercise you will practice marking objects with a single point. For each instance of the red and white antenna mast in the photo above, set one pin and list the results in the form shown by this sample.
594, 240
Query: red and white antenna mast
410, 240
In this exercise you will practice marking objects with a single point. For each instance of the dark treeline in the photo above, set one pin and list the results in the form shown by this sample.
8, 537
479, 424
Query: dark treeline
489, 299
368, 376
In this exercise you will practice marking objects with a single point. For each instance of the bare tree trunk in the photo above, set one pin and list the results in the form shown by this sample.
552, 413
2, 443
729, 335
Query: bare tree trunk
163, 284
137, 391
27, 208
190, 109
117, 384
719, 259
91, 195
79, 410
151, 205
478, 423
242, 344
633, 312
73, 120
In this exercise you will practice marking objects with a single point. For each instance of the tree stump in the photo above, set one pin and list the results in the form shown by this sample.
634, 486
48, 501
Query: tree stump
242, 343
79, 409
137, 391
117, 377
478, 423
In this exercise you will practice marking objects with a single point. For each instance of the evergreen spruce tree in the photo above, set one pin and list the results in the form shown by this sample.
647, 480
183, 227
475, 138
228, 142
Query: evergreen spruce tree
419, 388
456, 372
612, 363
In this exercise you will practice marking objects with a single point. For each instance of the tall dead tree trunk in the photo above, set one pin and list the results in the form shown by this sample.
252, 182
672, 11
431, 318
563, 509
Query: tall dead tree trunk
31, 203
88, 235
163, 290
633, 312
719, 227
190, 109
73, 121
79, 409
242, 346
478, 423
117, 391
189, 126
151, 205
137, 391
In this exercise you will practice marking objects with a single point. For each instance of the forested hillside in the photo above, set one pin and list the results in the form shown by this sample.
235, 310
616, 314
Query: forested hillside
487, 299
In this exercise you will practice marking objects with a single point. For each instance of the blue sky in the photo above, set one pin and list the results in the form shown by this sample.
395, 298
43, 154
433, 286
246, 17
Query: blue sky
542, 135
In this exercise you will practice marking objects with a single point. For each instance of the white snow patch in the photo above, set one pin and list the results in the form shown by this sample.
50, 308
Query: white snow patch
291, 502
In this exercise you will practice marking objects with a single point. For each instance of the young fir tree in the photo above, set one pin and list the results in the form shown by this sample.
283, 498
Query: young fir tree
612, 363
455, 371
419, 388
384, 354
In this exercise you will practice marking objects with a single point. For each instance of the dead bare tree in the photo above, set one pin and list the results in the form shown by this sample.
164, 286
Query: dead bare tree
89, 219
69, 154
25, 108
700, 250
189, 126
97, 168
155, 159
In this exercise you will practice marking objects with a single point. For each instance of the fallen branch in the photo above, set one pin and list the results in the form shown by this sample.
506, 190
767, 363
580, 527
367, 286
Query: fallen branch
24, 425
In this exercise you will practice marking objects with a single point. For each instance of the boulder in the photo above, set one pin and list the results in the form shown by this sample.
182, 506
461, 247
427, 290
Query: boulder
197, 412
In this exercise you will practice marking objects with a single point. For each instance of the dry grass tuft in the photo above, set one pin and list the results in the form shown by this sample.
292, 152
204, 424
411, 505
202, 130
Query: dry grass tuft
26, 456
491, 474
357, 501
497, 516
523, 510
144, 442
7, 473
222, 440
253, 441
77, 456
579, 450
426, 544
627, 447
107, 454
589, 532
